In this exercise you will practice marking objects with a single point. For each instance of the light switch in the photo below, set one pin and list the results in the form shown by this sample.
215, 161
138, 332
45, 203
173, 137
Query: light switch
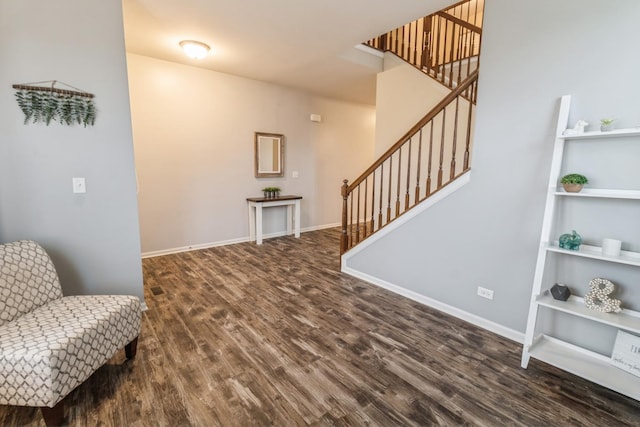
295, 174
79, 185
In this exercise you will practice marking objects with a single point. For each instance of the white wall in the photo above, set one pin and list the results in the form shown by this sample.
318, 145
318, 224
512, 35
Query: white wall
194, 135
94, 237
487, 233
343, 147
404, 95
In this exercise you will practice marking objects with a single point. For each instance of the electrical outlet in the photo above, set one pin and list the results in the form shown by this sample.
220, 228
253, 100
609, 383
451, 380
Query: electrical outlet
485, 293
79, 185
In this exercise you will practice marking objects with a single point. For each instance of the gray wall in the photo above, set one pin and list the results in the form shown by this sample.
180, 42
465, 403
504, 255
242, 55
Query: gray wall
487, 233
93, 237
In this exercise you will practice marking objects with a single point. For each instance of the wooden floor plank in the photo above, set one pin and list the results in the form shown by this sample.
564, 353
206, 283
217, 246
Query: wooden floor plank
275, 334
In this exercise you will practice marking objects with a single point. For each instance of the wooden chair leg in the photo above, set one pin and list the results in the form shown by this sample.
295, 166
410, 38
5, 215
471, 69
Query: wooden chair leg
131, 348
53, 416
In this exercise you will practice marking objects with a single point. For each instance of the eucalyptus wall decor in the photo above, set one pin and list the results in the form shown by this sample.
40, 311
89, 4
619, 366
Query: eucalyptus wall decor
47, 103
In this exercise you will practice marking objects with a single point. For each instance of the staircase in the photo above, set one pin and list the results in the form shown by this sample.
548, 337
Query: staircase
437, 149
444, 45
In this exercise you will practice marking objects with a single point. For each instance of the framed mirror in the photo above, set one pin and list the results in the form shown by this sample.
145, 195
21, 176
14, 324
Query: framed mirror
269, 155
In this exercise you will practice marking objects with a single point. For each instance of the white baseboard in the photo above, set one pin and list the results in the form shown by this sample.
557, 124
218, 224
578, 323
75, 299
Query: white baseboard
476, 320
229, 242
320, 227
193, 247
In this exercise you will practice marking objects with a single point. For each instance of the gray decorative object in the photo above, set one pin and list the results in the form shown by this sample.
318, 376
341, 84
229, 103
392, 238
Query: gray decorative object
598, 297
606, 124
570, 241
560, 292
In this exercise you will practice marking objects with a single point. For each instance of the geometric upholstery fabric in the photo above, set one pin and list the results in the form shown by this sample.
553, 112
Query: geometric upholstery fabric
55, 343
47, 353
28, 279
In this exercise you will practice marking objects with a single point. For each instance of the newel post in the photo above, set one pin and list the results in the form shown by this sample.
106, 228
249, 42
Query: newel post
343, 237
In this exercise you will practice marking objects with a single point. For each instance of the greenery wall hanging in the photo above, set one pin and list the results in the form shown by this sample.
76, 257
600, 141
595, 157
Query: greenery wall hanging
44, 104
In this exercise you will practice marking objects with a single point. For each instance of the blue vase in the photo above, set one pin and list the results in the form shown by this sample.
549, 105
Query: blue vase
570, 241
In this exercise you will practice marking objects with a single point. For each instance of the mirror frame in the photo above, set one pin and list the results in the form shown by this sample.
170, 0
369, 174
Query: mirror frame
280, 138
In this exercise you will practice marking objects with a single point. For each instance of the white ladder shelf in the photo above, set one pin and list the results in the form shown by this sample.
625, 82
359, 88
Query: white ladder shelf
569, 357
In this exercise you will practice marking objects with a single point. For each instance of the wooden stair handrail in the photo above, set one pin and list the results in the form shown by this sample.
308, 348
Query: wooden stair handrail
411, 132
437, 149
460, 22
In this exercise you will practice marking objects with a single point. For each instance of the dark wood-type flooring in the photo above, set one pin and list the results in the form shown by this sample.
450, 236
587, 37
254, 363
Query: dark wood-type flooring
248, 335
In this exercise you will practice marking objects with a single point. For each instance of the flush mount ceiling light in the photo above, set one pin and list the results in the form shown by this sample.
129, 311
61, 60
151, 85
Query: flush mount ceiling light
194, 49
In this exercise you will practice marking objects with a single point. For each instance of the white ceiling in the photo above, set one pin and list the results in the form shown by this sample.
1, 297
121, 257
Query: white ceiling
294, 43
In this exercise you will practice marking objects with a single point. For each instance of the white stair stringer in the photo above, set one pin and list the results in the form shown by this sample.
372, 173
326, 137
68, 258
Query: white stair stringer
430, 201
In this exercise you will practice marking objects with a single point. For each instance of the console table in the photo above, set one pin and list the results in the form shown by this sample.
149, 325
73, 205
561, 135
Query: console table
255, 214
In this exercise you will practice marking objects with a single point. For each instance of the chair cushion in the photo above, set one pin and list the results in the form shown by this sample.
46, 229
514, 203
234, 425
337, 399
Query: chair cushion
45, 354
28, 279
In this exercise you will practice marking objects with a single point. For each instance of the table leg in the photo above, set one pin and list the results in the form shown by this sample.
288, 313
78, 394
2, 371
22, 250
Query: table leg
252, 222
289, 220
259, 224
297, 219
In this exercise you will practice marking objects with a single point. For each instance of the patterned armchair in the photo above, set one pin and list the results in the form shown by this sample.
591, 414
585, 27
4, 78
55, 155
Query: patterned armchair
50, 344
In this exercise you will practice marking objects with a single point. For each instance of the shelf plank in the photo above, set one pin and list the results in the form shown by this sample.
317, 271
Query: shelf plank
586, 364
601, 193
617, 133
595, 252
628, 320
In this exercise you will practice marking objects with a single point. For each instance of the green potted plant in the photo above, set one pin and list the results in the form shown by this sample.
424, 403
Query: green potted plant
271, 191
606, 124
573, 182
